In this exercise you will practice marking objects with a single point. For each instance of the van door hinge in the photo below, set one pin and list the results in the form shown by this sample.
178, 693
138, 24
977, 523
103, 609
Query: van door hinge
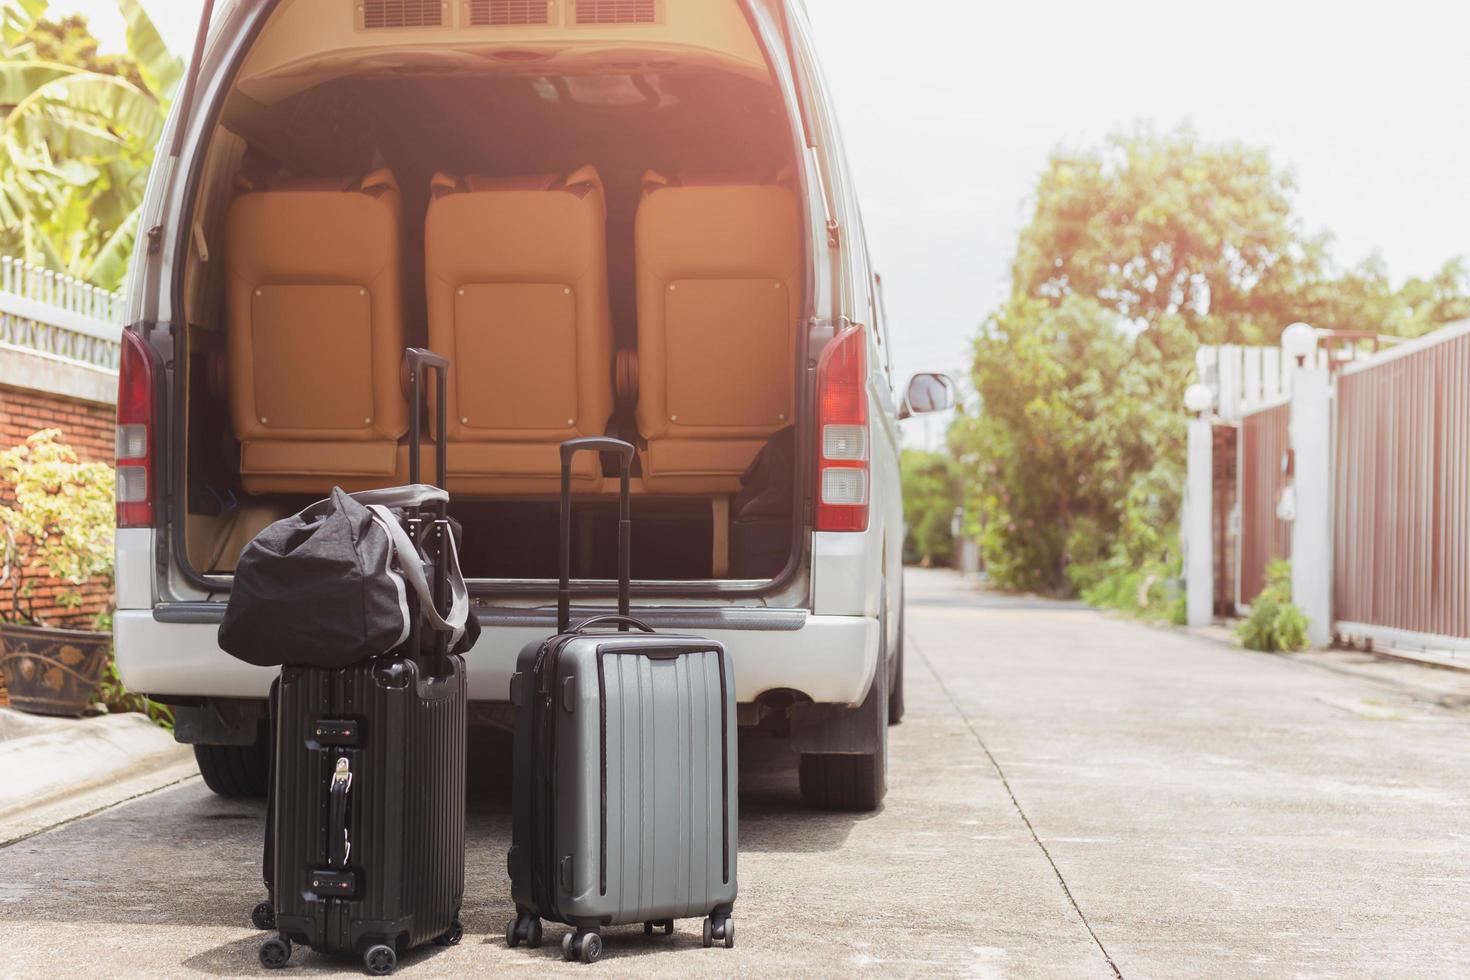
155, 239
834, 233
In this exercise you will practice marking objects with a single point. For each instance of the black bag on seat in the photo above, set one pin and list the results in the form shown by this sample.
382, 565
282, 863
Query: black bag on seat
328, 587
761, 515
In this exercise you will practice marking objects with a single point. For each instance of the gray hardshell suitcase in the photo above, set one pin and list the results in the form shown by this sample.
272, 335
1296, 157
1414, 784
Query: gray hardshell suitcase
624, 783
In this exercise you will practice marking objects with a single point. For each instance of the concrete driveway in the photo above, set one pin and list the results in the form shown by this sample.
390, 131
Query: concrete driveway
1071, 795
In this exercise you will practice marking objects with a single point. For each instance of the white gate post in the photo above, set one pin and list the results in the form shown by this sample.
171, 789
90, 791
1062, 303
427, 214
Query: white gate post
1311, 531
1199, 498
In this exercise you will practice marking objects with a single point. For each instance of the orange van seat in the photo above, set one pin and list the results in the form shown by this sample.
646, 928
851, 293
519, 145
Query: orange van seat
315, 333
719, 281
516, 280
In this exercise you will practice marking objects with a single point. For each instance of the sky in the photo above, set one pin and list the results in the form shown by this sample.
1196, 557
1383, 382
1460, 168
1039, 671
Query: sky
951, 107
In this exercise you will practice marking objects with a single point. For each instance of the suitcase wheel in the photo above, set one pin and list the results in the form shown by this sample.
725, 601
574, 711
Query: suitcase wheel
667, 924
584, 946
722, 930
275, 952
263, 916
379, 960
452, 935
523, 928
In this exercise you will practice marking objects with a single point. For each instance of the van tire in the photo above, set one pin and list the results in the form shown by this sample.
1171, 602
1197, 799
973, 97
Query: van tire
895, 692
851, 782
848, 783
895, 687
235, 770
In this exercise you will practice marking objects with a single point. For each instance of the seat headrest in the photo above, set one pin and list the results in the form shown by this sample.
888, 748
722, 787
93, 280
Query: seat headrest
654, 181
375, 183
580, 182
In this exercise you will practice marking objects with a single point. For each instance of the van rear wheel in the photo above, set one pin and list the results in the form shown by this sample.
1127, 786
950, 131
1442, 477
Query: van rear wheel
895, 686
851, 782
235, 770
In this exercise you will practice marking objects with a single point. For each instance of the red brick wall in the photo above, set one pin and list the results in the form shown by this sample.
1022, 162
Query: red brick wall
87, 428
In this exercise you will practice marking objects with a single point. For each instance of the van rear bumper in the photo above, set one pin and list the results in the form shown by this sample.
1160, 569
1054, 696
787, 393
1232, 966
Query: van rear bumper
174, 650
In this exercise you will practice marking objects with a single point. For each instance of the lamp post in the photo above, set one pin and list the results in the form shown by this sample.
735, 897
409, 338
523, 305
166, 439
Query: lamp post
1198, 536
1299, 342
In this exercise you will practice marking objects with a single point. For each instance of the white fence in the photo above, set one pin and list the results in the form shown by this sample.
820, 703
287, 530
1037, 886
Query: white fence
60, 315
1246, 379
1364, 456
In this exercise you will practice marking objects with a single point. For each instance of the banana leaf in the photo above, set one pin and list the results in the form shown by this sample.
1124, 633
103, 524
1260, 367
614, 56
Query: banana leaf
19, 79
160, 68
16, 18
110, 265
85, 115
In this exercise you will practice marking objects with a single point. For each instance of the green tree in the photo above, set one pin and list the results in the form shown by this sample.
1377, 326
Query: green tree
1136, 253
1156, 225
78, 138
931, 492
1072, 414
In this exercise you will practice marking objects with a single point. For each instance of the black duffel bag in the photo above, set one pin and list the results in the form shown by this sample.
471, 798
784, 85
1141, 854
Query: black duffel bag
330, 586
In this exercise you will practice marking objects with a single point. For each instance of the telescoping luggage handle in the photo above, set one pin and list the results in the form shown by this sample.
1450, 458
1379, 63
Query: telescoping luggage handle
417, 359
624, 451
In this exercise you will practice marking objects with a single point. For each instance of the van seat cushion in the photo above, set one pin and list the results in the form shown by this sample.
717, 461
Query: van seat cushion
719, 282
516, 283
314, 304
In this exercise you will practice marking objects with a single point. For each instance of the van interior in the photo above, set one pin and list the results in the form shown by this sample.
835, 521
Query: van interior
588, 206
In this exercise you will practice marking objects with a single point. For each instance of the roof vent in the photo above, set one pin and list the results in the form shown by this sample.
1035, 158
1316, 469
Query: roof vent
381, 14
509, 13
617, 11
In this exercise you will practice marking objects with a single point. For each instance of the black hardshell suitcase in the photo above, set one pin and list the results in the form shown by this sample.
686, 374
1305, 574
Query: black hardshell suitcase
365, 844
624, 778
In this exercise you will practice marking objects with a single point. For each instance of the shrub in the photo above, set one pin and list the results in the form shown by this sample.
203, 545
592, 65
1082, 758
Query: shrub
1275, 622
62, 526
1149, 591
931, 492
62, 522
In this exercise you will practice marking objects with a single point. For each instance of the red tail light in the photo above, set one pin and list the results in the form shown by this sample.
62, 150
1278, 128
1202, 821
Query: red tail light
136, 486
842, 433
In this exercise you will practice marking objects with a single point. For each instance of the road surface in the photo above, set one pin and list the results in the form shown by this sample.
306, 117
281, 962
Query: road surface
1071, 795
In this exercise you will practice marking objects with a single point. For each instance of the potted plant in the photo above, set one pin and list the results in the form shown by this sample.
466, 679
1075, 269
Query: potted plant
57, 527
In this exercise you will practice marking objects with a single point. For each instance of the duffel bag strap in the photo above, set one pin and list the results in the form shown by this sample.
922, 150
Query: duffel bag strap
413, 570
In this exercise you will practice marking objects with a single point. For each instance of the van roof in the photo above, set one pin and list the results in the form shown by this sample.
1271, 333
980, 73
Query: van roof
308, 42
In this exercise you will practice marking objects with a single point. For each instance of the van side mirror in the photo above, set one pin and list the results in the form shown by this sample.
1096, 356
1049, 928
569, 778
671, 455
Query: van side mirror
927, 393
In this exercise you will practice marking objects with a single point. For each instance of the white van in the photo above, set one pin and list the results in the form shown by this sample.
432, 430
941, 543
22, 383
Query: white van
627, 217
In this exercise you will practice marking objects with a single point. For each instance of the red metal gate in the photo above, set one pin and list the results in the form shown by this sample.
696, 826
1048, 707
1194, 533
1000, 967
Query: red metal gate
1263, 536
1225, 494
1401, 534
